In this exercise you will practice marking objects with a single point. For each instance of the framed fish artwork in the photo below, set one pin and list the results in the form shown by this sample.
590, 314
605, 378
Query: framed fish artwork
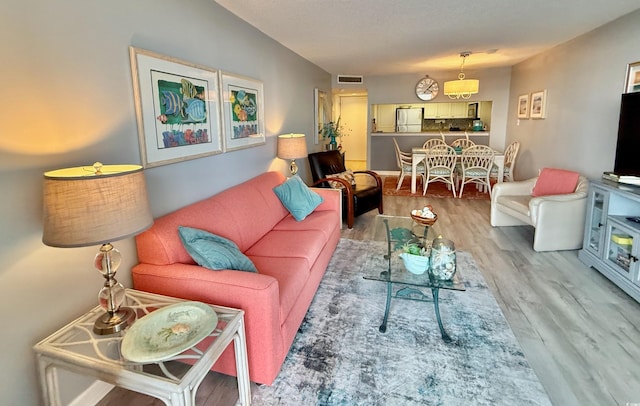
177, 108
242, 111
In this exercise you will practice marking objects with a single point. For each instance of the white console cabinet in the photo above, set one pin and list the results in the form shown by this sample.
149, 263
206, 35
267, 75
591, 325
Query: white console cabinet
611, 239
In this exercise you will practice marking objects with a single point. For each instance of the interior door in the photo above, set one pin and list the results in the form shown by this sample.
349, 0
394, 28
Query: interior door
353, 116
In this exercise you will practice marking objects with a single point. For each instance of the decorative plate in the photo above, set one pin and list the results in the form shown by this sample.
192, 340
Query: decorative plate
168, 331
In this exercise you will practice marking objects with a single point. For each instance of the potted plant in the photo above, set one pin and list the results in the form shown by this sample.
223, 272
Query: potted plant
415, 257
331, 131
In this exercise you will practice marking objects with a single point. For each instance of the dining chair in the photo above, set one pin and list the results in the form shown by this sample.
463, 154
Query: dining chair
440, 163
475, 167
404, 160
510, 155
463, 143
432, 143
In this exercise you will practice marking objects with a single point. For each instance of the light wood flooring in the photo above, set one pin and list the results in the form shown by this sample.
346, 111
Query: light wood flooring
579, 332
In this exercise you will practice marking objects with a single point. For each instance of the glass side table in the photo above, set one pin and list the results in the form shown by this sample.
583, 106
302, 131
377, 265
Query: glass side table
394, 230
175, 381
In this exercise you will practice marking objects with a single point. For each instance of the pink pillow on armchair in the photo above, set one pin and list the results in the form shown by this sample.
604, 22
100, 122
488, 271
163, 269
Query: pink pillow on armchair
555, 182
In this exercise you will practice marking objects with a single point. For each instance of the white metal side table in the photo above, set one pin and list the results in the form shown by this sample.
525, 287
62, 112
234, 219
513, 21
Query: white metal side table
175, 381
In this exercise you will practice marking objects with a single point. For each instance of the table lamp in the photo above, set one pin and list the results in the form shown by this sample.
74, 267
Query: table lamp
292, 146
93, 205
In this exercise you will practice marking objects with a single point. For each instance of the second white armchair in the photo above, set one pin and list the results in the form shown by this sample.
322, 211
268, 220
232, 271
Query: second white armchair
558, 219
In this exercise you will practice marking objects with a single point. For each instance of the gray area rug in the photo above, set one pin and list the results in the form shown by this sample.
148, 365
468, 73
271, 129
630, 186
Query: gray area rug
340, 358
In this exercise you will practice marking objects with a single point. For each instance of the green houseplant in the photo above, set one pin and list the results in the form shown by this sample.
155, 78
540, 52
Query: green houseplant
415, 257
331, 131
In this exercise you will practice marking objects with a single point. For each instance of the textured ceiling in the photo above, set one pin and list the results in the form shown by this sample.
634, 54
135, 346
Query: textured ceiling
372, 37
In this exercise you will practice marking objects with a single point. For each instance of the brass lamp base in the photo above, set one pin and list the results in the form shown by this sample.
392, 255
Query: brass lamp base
110, 323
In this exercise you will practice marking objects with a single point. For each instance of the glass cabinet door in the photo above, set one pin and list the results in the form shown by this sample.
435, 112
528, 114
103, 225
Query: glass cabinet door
620, 249
596, 220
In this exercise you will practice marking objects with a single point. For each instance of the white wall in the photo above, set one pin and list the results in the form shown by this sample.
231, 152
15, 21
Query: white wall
584, 79
68, 101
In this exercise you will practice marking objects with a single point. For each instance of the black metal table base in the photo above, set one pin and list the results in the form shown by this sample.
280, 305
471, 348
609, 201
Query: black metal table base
409, 293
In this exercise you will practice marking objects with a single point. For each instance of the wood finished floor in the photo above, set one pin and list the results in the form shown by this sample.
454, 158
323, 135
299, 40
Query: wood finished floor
579, 332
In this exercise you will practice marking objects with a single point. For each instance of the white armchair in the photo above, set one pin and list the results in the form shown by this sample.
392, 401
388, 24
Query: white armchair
558, 219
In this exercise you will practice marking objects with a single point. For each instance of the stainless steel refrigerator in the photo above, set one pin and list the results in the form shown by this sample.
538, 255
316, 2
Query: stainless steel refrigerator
409, 120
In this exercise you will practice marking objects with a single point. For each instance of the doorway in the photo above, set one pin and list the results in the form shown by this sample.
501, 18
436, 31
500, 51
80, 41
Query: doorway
352, 111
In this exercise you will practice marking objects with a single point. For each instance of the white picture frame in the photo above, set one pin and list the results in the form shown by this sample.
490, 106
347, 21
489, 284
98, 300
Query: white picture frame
539, 104
523, 106
177, 108
632, 83
243, 111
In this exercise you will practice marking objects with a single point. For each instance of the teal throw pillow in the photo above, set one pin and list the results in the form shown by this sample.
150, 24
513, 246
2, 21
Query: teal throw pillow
297, 197
214, 252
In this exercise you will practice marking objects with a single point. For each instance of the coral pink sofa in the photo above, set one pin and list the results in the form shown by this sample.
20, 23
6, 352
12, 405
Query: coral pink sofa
291, 258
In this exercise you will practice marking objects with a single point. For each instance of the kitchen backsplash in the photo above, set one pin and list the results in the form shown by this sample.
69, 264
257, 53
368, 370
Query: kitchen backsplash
444, 124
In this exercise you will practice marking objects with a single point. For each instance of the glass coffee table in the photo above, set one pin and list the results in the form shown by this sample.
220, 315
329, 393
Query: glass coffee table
401, 284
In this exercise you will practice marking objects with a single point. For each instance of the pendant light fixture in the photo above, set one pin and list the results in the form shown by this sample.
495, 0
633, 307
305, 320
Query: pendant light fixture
461, 88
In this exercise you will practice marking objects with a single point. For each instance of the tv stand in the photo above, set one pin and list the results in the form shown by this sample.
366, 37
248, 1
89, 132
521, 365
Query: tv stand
612, 234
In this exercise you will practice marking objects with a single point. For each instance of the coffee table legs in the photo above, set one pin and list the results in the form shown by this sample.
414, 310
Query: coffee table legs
401, 294
445, 337
383, 326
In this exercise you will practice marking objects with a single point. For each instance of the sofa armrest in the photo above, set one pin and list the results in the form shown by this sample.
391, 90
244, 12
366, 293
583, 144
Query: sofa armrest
332, 201
332, 198
519, 188
256, 294
371, 177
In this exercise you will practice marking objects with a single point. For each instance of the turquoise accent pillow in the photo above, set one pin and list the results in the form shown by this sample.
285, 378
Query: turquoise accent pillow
214, 252
297, 197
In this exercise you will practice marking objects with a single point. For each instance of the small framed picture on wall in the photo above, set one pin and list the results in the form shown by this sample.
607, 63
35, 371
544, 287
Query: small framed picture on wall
523, 106
539, 104
632, 83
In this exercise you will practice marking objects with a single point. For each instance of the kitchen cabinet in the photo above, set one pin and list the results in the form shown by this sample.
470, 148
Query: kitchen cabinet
459, 110
612, 239
431, 110
386, 118
445, 110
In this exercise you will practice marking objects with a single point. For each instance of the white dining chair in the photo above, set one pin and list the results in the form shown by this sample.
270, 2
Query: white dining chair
440, 163
510, 155
475, 167
463, 143
404, 160
432, 143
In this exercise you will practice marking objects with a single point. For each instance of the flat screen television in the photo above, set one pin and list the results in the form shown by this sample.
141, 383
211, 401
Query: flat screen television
627, 161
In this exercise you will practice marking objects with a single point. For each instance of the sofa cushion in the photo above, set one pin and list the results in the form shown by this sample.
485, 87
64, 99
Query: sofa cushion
214, 252
299, 200
320, 221
554, 181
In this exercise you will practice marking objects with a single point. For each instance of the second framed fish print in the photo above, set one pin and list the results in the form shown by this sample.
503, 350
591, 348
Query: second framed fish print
177, 107
243, 112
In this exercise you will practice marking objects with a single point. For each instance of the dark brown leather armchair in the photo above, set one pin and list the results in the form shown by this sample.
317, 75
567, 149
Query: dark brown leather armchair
365, 196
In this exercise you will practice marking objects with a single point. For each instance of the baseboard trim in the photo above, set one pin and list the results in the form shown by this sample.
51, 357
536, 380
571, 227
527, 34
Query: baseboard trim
94, 393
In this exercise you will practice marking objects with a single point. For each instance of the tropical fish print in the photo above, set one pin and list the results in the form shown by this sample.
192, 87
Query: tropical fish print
195, 110
172, 102
188, 90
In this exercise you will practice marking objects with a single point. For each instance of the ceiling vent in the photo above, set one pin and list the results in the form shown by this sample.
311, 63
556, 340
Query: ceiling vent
350, 79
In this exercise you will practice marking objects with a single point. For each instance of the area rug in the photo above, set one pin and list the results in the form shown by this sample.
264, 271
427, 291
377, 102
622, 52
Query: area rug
435, 189
340, 358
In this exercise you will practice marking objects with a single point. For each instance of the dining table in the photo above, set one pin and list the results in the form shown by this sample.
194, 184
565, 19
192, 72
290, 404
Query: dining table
418, 154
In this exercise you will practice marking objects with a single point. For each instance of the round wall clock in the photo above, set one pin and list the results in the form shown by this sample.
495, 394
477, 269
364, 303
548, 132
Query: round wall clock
427, 88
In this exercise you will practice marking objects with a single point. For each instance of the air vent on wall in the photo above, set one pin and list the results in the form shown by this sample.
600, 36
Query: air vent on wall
350, 79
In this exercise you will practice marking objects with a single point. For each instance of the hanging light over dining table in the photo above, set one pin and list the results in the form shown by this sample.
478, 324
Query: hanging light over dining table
461, 88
